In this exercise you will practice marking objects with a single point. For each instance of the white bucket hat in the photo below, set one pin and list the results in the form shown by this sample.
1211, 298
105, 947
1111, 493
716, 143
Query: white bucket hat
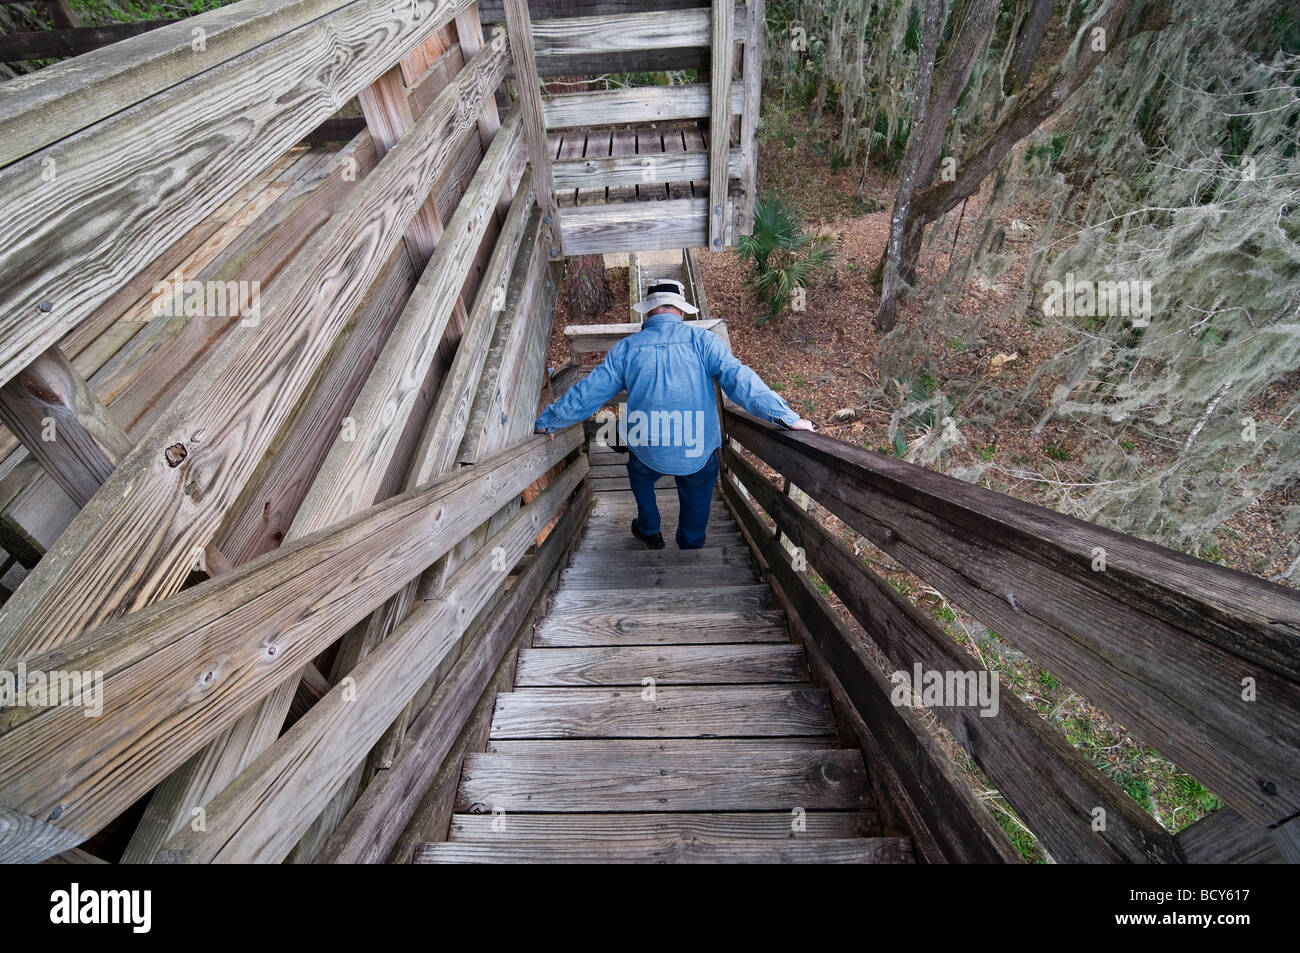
664, 291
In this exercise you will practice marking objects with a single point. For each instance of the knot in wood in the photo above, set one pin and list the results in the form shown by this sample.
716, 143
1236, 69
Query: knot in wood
175, 454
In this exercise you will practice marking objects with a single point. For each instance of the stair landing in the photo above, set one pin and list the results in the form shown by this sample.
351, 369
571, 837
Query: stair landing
662, 714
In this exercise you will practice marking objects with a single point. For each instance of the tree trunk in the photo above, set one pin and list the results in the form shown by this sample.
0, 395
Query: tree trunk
1028, 40
1119, 22
892, 282
586, 288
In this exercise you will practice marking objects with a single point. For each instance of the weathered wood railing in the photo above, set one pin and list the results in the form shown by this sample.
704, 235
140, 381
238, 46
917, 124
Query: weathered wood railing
1199, 661
346, 465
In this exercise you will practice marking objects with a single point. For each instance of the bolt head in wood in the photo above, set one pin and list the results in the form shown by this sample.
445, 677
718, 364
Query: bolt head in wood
45, 306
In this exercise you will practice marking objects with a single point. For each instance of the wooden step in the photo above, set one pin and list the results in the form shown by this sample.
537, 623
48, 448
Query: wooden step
673, 712
538, 783
661, 747
857, 850
657, 577
652, 617
737, 602
627, 543
668, 556
667, 665
661, 830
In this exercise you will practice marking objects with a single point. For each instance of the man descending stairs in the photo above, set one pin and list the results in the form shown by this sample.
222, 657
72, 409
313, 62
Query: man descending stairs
662, 714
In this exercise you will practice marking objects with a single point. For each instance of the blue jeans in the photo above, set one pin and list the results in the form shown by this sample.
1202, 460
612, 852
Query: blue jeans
694, 497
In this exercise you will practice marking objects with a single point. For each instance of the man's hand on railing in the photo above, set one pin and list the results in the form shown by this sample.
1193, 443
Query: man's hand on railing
549, 433
803, 424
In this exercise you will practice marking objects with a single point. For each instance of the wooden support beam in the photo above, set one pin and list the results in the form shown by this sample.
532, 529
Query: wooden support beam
1035, 576
260, 817
357, 470
388, 117
723, 53
207, 655
755, 48
519, 30
50, 408
374, 824
136, 539
435, 456
123, 188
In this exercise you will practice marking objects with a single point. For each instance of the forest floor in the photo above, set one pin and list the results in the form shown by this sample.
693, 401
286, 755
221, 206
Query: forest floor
823, 360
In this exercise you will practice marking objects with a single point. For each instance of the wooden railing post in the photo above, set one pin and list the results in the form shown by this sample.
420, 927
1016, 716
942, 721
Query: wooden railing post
520, 30
721, 57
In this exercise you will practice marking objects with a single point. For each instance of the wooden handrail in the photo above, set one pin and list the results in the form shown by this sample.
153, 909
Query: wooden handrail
1159, 640
1022, 755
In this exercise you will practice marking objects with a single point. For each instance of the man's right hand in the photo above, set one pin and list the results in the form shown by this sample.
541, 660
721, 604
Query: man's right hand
803, 424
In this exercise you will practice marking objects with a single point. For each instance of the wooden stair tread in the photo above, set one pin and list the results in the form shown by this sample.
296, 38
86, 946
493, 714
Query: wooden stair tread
660, 747
658, 577
589, 627
538, 783
663, 829
667, 665
855, 850
668, 556
674, 711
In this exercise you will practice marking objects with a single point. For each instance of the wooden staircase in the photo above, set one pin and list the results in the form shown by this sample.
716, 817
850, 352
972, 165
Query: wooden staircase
662, 714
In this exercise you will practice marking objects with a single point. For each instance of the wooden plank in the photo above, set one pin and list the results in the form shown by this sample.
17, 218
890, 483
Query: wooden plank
614, 33
434, 80
675, 665
572, 144
381, 410
1049, 783
658, 577
432, 817
591, 558
388, 117
1225, 837
537, 783
723, 53
674, 712
755, 48
492, 11
623, 149
263, 525
115, 186
659, 830
633, 105
720, 748
61, 422
625, 61
1178, 687
519, 30
273, 802
650, 150
376, 821
961, 827
862, 850
587, 628
73, 41
69, 96
169, 494
207, 655
639, 226
598, 149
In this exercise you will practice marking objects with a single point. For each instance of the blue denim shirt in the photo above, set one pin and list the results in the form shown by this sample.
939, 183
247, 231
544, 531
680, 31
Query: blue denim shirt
671, 418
